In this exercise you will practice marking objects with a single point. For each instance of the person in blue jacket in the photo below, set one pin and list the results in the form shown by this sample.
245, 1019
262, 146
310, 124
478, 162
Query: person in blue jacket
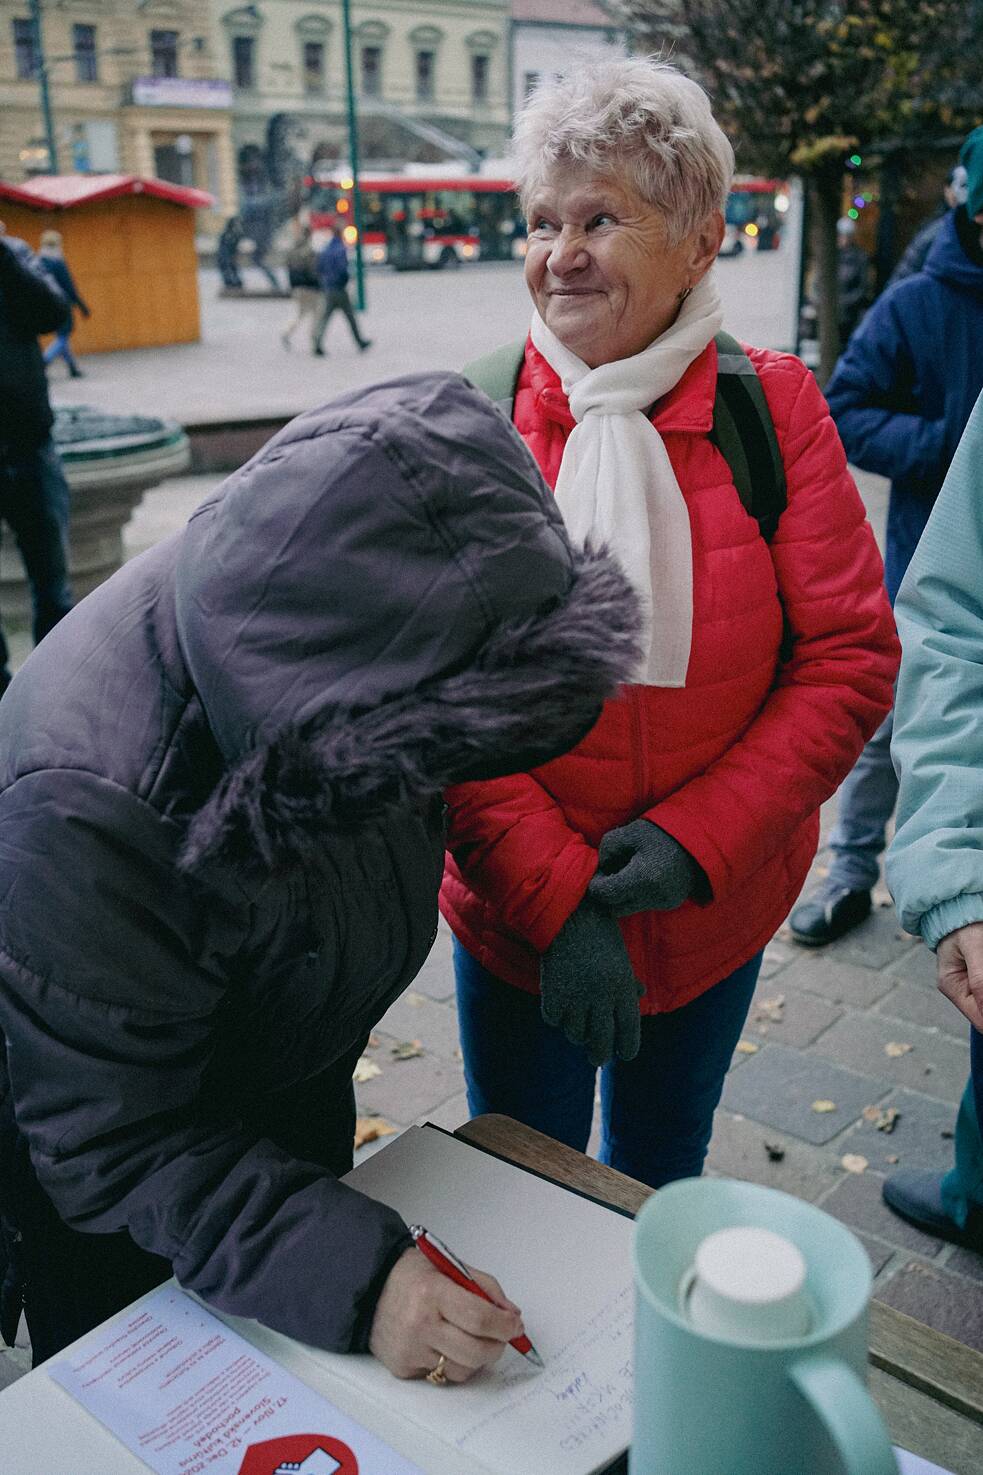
935, 864
332, 268
901, 396
52, 258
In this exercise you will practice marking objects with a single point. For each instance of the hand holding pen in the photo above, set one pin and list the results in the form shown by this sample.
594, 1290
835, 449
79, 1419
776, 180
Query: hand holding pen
448, 1264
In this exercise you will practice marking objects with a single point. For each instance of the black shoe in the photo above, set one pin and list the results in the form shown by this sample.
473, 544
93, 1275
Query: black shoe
828, 913
76, 373
364, 343
318, 351
916, 1196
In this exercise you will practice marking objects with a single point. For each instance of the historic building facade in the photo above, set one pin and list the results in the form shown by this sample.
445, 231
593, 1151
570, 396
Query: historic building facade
551, 36
426, 73
134, 85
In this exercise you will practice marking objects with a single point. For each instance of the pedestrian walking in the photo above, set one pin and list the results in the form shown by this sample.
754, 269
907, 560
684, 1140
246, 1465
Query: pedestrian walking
901, 396
935, 864
227, 252
853, 278
221, 843
305, 288
52, 258
633, 883
33, 491
332, 269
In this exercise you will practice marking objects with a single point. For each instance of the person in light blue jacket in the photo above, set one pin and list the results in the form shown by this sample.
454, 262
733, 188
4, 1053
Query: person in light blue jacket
935, 864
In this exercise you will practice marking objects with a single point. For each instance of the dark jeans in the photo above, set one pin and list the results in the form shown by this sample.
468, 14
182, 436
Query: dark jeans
60, 347
962, 1186
34, 503
656, 1110
337, 298
68, 1282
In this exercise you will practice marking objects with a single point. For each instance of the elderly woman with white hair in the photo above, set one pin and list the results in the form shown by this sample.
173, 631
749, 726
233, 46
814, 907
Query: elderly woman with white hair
634, 882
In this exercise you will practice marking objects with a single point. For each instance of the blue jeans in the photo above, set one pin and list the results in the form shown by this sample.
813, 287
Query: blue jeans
962, 1187
60, 347
34, 503
866, 802
656, 1110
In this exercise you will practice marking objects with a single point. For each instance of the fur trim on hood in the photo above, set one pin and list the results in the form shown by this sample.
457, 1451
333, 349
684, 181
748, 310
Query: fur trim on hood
529, 693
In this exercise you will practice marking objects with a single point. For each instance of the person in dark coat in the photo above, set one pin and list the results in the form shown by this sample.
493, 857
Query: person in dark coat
916, 252
34, 499
332, 269
52, 258
221, 843
227, 252
901, 397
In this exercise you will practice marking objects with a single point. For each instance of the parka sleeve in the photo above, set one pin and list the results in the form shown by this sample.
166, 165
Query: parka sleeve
832, 693
935, 864
872, 398
112, 970
513, 846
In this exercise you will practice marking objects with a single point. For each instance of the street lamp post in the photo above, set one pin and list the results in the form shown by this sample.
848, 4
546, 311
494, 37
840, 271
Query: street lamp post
353, 155
42, 66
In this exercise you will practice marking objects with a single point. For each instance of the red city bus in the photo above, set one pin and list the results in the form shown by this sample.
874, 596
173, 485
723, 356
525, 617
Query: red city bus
754, 214
432, 221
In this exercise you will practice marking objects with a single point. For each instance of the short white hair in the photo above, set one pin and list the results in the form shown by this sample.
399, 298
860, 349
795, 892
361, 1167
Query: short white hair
636, 118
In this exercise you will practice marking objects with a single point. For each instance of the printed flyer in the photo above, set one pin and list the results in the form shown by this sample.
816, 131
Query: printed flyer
188, 1396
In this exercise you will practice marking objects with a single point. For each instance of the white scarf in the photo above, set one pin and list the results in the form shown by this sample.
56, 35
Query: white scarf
616, 483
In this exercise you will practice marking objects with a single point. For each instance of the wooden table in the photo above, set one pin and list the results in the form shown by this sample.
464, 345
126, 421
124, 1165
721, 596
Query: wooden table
928, 1386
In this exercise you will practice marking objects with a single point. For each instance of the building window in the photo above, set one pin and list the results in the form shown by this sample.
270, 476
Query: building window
163, 53
313, 66
372, 71
424, 76
479, 78
244, 61
25, 50
84, 49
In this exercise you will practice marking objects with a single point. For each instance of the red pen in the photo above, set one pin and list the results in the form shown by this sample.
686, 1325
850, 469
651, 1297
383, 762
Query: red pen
448, 1264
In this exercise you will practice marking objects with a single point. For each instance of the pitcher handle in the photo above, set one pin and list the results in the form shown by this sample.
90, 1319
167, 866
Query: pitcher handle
849, 1413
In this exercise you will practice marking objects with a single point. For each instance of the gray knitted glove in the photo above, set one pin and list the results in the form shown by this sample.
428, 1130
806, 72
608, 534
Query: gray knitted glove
588, 988
642, 869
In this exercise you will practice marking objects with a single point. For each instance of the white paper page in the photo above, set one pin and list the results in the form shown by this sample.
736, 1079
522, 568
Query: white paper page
909, 1464
187, 1395
564, 1260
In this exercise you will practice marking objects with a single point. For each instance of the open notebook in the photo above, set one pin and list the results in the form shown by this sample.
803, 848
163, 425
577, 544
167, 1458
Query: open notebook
564, 1259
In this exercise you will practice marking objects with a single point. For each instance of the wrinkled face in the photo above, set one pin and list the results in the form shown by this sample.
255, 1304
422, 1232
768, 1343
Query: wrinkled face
599, 266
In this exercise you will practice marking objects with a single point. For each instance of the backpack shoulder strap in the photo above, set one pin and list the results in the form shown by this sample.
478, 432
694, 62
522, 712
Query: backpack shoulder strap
498, 374
744, 433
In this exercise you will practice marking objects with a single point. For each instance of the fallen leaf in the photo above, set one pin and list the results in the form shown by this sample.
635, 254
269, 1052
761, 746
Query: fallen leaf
406, 1050
871, 1113
413, 999
458, 1053
894, 1048
887, 1119
853, 1162
823, 1106
770, 1009
775, 1154
373, 1043
892, 1157
368, 1128
746, 1047
365, 1070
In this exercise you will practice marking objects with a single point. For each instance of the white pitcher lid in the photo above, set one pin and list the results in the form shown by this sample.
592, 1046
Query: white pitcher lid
750, 1266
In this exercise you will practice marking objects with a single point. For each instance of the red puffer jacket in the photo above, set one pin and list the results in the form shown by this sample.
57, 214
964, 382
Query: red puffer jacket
736, 764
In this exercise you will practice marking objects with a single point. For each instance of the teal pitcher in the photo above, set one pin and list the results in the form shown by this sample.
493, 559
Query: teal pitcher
750, 1338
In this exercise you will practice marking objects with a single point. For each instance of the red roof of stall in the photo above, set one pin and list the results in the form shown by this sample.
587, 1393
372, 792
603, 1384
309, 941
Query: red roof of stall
62, 191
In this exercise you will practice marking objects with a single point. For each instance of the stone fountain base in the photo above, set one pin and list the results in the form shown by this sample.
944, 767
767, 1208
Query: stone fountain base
109, 462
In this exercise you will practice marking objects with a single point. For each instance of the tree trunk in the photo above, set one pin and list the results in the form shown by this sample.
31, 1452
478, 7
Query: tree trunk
825, 190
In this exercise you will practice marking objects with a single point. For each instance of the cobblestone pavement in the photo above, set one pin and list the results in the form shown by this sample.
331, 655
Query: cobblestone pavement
819, 1030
